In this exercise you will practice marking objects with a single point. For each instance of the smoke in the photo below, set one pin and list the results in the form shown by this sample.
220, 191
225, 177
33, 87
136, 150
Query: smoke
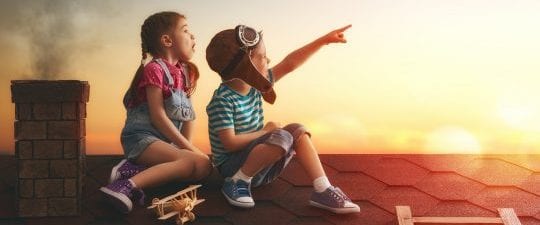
55, 31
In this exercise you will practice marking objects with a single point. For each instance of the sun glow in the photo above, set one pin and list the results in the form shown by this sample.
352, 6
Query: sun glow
452, 139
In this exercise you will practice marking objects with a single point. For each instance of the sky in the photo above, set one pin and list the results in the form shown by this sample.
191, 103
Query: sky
418, 76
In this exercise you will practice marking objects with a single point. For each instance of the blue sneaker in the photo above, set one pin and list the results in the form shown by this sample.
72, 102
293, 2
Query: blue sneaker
334, 200
238, 193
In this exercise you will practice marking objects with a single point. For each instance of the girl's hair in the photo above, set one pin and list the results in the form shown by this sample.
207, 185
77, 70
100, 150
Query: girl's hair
152, 29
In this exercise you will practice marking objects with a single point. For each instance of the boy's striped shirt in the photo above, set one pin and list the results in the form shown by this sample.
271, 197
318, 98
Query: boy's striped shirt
229, 109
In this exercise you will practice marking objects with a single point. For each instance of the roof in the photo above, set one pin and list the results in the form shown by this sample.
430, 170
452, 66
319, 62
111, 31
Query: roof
433, 185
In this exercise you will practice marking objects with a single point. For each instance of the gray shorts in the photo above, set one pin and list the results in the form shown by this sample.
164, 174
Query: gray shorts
284, 138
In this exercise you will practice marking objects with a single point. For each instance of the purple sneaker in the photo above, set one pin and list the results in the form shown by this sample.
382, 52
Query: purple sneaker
334, 200
121, 193
125, 169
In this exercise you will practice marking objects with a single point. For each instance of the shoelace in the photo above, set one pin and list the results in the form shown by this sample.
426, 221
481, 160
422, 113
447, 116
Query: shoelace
122, 187
242, 189
334, 194
129, 173
342, 194
132, 171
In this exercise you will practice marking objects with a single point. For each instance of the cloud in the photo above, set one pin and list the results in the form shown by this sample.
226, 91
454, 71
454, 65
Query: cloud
54, 31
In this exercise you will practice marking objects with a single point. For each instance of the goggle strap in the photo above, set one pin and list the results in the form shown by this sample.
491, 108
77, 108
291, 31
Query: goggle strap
232, 64
245, 46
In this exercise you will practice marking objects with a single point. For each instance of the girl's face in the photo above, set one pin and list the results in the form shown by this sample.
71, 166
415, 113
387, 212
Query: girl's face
183, 42
259, 59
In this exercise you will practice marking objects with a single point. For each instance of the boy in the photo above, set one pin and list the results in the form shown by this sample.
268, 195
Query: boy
245, 150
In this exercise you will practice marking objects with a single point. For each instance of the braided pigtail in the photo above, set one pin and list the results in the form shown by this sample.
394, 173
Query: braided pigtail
192, 77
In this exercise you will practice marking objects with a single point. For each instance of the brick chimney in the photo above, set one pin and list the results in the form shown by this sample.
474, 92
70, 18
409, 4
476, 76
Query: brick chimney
49, 146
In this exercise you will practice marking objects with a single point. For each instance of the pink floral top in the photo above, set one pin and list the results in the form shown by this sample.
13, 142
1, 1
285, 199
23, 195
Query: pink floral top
154, 75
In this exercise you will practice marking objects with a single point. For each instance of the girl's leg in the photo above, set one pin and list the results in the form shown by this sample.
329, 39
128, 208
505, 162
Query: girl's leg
325, 195
166, 162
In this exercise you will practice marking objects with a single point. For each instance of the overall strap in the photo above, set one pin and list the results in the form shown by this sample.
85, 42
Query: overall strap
170, 80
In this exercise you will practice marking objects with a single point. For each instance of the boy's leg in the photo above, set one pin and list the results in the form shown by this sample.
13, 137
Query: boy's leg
241, 168
305, 151
262, 156
325, 196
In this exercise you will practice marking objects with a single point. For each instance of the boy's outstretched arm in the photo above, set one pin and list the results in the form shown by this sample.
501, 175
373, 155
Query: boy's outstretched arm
299, 56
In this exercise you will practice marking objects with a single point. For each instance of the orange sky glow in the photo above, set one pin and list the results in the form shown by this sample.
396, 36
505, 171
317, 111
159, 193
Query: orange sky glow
414, 77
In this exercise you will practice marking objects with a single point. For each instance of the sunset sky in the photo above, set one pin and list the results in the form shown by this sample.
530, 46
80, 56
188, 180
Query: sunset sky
418, 76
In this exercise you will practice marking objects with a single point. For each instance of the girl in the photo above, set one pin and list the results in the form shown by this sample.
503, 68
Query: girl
157, 134
245, 150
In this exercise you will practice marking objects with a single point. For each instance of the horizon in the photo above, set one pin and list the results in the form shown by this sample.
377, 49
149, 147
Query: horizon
415, 76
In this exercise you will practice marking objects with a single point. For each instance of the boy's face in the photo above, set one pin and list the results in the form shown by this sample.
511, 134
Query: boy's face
183, 42
259, 59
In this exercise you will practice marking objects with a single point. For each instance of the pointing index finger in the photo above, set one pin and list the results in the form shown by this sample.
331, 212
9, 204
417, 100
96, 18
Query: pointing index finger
344, 28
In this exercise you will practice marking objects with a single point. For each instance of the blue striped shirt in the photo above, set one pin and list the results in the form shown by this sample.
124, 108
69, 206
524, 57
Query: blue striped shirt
229, 109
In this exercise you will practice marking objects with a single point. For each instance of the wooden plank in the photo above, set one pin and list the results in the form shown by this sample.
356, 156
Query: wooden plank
458, 220
508, 216
404, 215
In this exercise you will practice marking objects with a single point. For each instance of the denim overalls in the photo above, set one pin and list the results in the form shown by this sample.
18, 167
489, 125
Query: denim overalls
138, 131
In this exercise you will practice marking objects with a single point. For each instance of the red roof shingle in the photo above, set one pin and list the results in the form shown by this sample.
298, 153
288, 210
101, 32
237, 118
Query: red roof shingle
432, 185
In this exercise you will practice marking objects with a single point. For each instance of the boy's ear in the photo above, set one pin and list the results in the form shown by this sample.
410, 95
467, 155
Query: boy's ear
166, 40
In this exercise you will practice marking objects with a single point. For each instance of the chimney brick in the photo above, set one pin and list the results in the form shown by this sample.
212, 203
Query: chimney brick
45, 188
47, 111
30, 130
67, 129
26, 188
32, 207
71, 149
42, 91
33, 168
24, 150
63, 206
48, 149
23, 111
70, 187
50, 130
64, 168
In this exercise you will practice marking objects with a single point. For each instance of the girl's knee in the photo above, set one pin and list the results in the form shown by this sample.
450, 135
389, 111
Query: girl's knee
201, 171
202, 168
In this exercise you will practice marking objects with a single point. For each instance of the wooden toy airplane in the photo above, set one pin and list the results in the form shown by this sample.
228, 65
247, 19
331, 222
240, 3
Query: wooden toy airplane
179, 204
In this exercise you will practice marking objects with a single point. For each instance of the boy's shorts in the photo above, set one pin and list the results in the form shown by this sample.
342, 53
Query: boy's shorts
284, 138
